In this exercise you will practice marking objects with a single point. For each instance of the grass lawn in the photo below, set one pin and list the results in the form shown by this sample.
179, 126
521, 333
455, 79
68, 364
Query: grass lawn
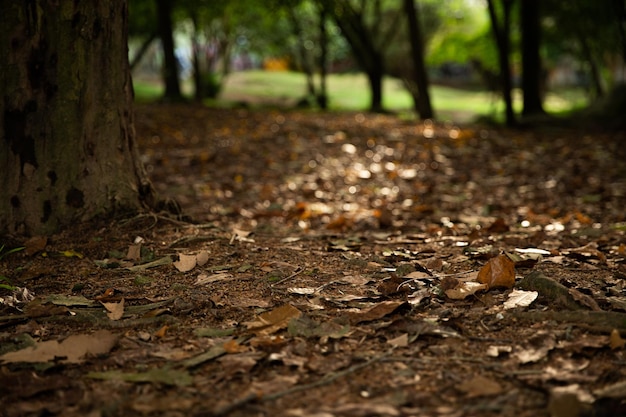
351, 92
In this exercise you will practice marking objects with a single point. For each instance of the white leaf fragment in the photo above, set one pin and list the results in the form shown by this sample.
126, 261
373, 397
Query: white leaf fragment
520, 298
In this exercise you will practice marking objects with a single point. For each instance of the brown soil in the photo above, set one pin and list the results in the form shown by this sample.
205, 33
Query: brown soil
324, 246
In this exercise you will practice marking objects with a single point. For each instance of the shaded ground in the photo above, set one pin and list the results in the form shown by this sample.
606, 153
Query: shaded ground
317, 270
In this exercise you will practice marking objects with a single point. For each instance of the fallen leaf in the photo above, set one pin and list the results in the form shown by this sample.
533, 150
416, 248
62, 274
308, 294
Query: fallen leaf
71, 350
495, 351
185, 263
71, 254
233, 346
480, 386
272, 321
616, 341
202, 258
498, 272
498, 226
465, 289
35, 244
115, 311
520, 298
375, 312
536, 348
161, 332
134, 252
400, 341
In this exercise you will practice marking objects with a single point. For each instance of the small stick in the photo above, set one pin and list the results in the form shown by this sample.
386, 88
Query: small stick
298, 271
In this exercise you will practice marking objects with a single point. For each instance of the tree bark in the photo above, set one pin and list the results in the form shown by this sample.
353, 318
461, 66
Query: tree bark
502, 37
67, 147
421, 97
531, 59
170, 64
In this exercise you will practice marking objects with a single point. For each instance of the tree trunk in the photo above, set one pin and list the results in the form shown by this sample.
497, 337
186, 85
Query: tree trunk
170, 64
421, 97
195, 59
302, 53
375, 78
67, 147
502, 37
322, 97
531, 60
361, 38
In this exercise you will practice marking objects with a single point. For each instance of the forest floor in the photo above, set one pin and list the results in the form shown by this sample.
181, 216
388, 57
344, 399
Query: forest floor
342, 264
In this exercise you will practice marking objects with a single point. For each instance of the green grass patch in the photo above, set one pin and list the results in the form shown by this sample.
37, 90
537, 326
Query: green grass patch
351, 92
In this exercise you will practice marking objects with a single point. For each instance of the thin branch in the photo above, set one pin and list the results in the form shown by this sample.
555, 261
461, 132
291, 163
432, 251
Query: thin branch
298, 271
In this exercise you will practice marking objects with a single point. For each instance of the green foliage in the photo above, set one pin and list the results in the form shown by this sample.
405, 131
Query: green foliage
142, 18
4, 253
5, 284
464, 35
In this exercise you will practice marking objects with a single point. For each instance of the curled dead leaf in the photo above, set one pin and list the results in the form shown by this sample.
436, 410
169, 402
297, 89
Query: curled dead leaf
498, 272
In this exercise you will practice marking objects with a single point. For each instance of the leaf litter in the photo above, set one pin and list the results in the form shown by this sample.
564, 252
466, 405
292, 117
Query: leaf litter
333, 264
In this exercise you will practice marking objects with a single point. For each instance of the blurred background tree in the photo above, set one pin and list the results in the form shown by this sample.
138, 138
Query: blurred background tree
582, 45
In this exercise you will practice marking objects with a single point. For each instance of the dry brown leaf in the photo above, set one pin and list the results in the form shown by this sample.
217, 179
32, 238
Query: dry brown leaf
272, 321
115, 311
480, 386
134, 252
71, 350
378, 311
185, 263
202, 258
161, 332
498, 272
35, 244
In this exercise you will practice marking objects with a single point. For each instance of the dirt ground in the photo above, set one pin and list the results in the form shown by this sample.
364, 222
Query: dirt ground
332, 265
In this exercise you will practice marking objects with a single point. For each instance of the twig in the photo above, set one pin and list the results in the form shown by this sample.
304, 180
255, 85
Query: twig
280, 281
222, 411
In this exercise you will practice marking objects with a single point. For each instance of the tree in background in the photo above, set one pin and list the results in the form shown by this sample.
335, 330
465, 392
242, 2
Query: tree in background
368, 28
419, 87
211, 42
532, 72
308, 45
67, 147
170, 63
501, 27
590, 31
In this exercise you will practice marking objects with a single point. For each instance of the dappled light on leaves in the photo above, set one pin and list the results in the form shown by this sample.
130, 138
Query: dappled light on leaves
332, 264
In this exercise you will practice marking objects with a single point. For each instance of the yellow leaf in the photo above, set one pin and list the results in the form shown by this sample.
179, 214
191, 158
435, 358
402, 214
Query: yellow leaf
616, 341
71, 254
